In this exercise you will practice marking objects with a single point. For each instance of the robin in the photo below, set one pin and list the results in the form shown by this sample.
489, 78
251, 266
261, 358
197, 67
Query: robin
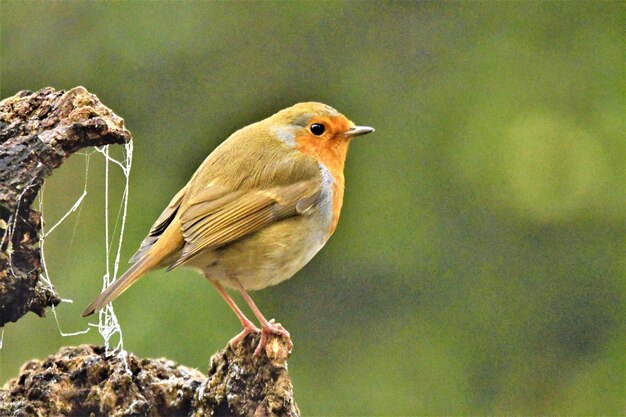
260, 206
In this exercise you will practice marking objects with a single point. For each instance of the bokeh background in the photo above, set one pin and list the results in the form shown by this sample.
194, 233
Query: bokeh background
478, 267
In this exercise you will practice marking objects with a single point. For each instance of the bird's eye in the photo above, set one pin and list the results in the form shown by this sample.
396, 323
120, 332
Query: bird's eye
317, 129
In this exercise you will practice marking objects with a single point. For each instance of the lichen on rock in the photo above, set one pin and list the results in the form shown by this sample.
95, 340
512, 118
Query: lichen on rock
89, 381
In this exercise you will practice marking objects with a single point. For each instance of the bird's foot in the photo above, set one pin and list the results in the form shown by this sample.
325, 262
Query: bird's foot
247, 329
269, 328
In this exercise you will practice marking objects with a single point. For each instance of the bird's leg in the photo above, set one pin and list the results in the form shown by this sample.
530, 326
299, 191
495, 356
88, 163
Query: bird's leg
248, 326
267, 327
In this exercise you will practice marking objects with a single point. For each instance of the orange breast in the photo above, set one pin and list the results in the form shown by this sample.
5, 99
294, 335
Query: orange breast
331, 152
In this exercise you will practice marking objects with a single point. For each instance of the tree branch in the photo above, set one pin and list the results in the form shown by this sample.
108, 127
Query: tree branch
38, 131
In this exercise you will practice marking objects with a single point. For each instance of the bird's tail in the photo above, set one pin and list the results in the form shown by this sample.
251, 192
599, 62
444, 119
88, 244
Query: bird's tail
120, 285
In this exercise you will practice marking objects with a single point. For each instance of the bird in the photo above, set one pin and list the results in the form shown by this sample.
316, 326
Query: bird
255, 212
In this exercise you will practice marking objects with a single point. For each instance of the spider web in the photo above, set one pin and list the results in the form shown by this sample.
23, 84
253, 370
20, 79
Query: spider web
108, 325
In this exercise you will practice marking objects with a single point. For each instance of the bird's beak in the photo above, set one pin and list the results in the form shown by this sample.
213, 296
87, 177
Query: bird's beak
359, 130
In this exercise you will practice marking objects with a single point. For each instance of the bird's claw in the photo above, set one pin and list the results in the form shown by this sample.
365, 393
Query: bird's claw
272, 328
245, 332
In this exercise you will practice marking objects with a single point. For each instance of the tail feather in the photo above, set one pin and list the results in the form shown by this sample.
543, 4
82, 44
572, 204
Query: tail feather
119, 286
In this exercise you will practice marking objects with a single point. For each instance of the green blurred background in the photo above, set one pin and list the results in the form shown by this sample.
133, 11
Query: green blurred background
478, 267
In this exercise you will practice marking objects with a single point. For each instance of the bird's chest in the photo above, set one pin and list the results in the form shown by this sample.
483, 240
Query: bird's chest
278, 251
331, 200
272, 254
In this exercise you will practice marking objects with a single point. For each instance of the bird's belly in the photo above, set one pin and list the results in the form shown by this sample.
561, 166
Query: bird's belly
268, 256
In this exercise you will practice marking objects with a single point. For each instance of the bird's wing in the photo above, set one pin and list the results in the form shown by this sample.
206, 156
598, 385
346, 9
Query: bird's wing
216, 216
161, 224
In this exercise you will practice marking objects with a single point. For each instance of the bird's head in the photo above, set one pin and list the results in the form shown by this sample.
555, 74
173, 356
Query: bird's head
317, 130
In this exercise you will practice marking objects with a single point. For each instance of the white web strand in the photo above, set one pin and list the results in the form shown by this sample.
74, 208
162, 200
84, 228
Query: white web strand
108, 325
43, 234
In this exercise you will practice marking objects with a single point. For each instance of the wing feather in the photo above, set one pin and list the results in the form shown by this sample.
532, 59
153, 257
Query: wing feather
160, 225
225, 217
